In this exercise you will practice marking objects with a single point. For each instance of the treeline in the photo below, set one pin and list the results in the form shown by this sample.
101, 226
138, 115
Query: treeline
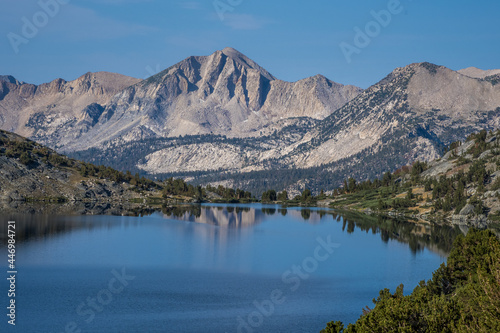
449, 194
177, 186
390, 182
330, 176
413, 172
33, 154
90, 170
29, 152
462, 296
305, 198
376, 162
229, 193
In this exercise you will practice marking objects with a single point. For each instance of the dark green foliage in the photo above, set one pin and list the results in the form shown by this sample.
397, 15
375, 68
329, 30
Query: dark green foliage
306, 195
449, 193
178, 187
351, 185
30, 153
269, 196
417, 168
283, 196
462, 296
228, 194
402, 203
454, 145
477, 172
478, 205
173, 186
26, 158
496, 184
493, 79
428, 185
409, 195
382, 205
480, 143
333, 327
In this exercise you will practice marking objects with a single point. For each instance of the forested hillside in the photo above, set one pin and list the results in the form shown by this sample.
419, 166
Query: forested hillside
462, 296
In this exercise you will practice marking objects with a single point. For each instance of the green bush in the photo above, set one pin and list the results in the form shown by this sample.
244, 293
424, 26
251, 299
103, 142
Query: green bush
462, 296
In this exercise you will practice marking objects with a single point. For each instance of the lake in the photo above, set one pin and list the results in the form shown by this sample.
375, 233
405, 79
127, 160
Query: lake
211, 268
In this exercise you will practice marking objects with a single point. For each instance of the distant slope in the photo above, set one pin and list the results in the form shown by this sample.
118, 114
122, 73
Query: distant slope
223, 118
478, 73
423, 105
30, 171
225, 93
55, 112
462, 186
411, 114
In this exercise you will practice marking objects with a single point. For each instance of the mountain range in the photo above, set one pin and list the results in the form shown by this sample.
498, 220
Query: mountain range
224, 119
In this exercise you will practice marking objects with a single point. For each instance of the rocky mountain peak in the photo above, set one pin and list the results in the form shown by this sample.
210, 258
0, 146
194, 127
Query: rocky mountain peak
408, 71
244, 61
100, 83
10, 79
224, 93
226, 105
201, 69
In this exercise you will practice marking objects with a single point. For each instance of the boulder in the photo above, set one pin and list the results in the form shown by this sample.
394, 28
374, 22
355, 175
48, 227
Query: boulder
485, 154
468, 209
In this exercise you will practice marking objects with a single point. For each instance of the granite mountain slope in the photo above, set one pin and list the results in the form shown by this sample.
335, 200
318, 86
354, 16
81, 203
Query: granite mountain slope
225, 93
58, 111
223, 118
411, 114
414, 112
479, 73
422, 106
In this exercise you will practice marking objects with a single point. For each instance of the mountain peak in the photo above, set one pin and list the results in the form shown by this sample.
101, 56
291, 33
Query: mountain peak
243, 60
10, 79
233, 53
102, 82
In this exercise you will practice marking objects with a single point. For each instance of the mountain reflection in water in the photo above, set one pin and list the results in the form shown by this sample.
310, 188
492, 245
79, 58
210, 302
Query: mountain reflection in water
44, 221
437, 238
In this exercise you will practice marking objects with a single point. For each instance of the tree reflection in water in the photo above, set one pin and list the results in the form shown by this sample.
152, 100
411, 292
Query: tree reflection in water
45, 221
438, 238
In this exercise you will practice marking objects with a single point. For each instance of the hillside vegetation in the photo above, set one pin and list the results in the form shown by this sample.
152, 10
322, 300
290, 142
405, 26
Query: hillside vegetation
32, 172
462, 296
463, 186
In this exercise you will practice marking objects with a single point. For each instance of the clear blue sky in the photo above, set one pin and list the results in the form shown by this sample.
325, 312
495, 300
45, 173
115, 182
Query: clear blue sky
292, 39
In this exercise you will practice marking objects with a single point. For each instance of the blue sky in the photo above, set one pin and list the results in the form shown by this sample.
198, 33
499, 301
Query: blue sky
291, 39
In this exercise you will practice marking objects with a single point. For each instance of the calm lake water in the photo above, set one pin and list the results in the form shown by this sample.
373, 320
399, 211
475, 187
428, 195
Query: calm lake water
243, 268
